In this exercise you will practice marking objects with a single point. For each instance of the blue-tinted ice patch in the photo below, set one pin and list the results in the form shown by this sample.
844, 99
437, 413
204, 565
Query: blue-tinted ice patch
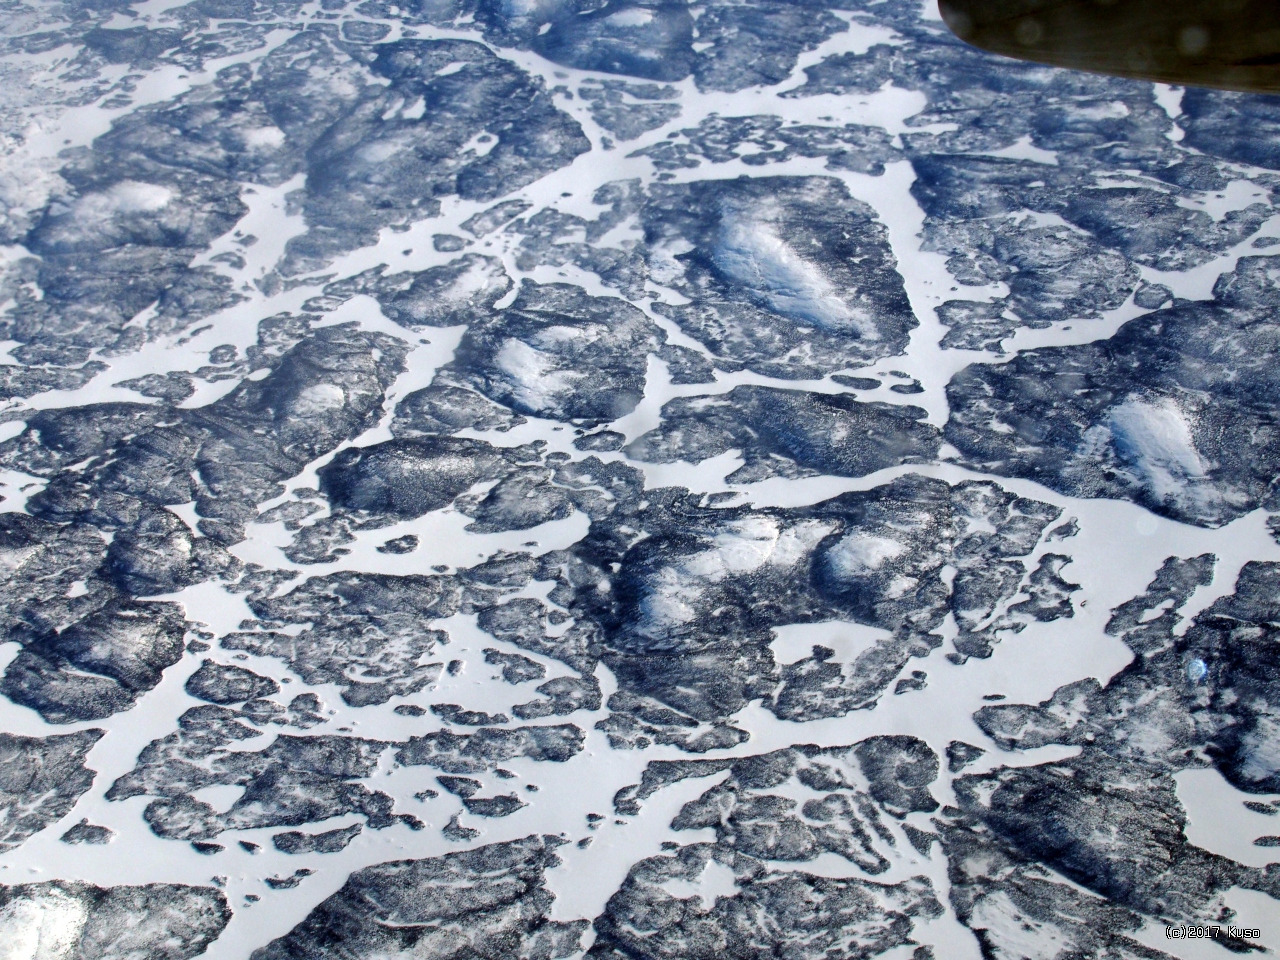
531, 376
749, 252
1155, 439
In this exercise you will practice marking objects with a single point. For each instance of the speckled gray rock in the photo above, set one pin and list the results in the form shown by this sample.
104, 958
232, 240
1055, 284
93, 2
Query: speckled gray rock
86, 832
90, 653
372, 660
292, 781
1066, 245
489, 903
442, 296
687, 621
629, 110
229, 455
161, 921
817, 433
758, 42
99, 665
445, 408
502, 805
489, 746
560, 697
637, 38
1015, 905
757, 141
1168, 412
787, 808
87, 652
776, 262
226, 684
1156, 711
515, 668
1112, 827
40, 781
771, 912
1154, 719
455, 714
558, 353
552, 346
330, 841
408, 478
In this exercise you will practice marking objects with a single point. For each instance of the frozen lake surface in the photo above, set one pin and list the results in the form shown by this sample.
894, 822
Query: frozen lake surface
628, 479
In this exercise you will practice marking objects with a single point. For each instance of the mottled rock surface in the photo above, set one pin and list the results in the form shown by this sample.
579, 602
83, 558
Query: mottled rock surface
166, 921
41, 780
421, 422
488, 902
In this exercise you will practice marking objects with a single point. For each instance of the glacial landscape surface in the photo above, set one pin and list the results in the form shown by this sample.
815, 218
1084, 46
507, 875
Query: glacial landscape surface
626, 479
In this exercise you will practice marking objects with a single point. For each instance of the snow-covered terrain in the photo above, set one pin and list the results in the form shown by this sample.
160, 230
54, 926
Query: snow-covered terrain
625, 479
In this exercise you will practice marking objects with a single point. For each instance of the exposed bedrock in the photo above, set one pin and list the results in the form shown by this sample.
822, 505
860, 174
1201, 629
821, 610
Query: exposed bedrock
136, 208
1058, 184
1110, 818
787, 432
291, 781
59, 918
40, 781
789, 277
687, 623
1171, 412
490, 903
771, 814
90, 648
1207, 695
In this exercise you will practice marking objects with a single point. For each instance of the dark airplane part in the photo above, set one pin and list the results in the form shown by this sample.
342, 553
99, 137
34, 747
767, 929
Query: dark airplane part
1228, 44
